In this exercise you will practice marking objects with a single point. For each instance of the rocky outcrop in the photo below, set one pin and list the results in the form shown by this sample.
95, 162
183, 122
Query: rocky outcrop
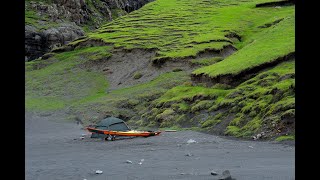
60, 10
38, 43
67, 18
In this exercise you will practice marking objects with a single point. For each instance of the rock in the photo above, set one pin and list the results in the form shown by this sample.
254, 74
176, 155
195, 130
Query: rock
169, 130
213, 173
129, 162
47, 55
254, 137
37, 38
141, 161
37, 43
99, 172
259, 136
191, 141
189, 154
225, 175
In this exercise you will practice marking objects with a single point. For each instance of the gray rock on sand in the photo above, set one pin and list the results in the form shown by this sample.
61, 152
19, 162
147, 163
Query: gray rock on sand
141, 161
191, 141
129, 162
99, 172
213, 173
225, 175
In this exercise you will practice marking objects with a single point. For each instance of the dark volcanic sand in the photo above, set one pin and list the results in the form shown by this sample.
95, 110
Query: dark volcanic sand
52, 153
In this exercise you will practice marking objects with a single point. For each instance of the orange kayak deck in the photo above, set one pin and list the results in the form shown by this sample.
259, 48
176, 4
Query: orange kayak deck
124, 133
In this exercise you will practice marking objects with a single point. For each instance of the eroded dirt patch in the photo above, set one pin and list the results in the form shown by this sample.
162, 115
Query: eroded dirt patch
277, 3
131, 67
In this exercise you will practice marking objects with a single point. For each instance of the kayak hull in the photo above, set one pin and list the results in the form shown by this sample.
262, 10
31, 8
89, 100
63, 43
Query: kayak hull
124, 133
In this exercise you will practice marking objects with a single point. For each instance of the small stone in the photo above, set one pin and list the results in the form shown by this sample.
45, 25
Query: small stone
129, 162
141, 161
254, 138
250, 146
259, 136
213, 173
37, 38
191, 141
99, 172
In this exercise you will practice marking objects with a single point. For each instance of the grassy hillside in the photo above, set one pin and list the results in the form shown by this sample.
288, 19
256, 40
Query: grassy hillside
200, 92
185, 28
265, 46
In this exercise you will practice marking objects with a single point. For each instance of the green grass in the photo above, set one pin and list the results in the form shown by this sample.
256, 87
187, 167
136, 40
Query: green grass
285, 138
266, 46
136, 99
182, 28
210, 123
159, 84
187, 93
207, 62
257, 102
64, 81
43, 103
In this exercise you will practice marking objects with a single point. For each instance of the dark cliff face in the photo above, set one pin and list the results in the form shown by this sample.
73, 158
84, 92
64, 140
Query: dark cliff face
65, 20
38, 43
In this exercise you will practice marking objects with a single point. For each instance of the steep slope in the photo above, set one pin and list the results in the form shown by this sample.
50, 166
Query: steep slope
218, 66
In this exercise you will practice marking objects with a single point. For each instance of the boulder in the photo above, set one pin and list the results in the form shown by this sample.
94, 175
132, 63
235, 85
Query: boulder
225, 175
